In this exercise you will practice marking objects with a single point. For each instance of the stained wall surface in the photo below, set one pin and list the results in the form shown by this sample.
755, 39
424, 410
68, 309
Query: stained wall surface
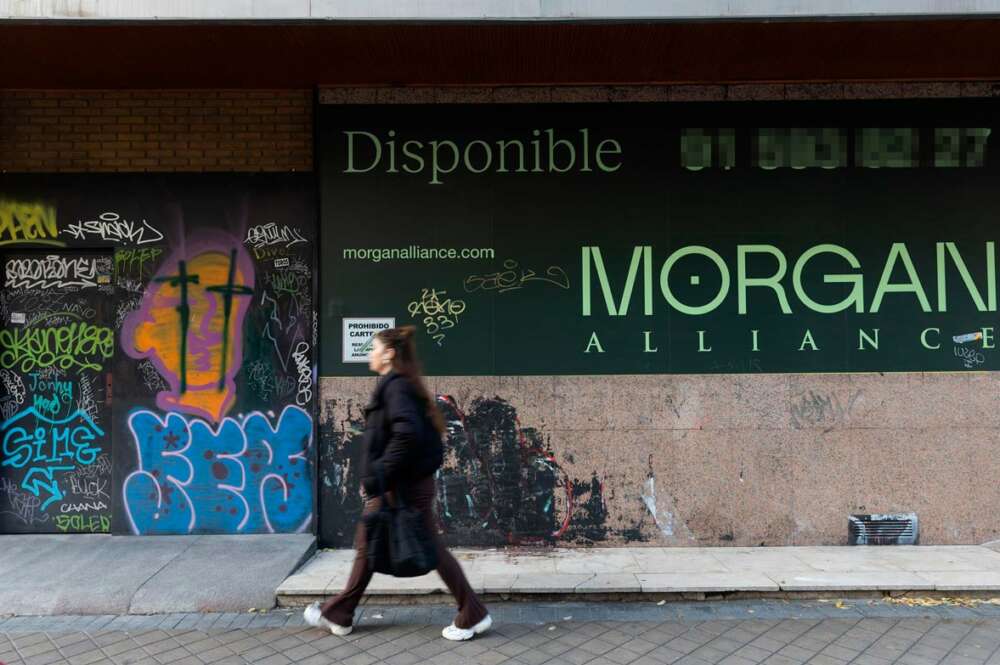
716, 460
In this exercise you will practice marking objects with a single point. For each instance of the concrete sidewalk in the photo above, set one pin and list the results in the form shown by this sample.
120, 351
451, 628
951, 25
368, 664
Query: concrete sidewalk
97, 574
677, 572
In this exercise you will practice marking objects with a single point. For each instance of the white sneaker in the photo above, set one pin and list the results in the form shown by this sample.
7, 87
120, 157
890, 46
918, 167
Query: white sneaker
456, 634
314, 617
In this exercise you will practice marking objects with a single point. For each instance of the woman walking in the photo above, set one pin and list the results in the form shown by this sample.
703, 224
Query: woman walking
395, 420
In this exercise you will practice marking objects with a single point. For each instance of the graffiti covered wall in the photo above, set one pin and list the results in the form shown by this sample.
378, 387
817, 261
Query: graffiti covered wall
55, 355
205, 329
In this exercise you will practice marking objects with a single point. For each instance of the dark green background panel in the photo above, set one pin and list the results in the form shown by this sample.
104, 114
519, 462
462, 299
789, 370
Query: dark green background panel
542, 220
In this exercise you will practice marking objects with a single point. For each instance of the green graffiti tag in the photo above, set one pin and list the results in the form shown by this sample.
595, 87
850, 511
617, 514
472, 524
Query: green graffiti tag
136, 261
74, 345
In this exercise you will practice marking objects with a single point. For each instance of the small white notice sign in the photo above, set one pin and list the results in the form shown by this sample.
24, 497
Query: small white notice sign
17, 317
358, 334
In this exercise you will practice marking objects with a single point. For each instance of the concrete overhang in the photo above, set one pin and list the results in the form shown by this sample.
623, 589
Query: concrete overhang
462, 10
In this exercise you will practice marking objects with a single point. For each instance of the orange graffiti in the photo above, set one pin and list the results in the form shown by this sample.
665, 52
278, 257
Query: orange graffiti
191, 326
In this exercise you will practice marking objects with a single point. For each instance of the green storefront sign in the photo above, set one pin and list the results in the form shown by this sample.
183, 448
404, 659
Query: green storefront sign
653, 238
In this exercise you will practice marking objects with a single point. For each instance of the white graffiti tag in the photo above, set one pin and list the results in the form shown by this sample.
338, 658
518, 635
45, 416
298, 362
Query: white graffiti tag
301, 358
110, 227
55, 272
13, 393
269, 235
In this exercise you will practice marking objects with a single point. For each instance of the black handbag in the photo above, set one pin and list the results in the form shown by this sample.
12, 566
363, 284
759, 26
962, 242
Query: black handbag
397, 539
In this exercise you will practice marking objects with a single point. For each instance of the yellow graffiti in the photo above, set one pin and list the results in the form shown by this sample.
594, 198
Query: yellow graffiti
28, 223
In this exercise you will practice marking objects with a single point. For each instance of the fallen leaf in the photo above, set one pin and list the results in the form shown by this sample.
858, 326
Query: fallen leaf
937, 602
839, 605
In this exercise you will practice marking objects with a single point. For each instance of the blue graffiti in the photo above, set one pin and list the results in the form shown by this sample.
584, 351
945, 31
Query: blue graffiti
242, 477
47, 447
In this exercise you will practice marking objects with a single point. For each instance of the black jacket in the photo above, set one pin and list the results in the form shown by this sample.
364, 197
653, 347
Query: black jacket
395, 422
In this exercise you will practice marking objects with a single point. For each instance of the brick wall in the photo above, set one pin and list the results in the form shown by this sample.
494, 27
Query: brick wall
271, 130
657, 93
156, 130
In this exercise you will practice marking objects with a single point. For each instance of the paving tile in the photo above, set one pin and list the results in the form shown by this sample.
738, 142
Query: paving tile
491, 658
684, 644
44, 658
738, 660
840, 652
25, 640
601, 660
912, 659
274, 659
385, 650
709, 654
317, 659
405, 658
257, 653
865, 659
243, 644
37, 649
691, 660
639, 646
453, 658
65, 639
213, 655
300, 652
76, 648
652, 660
339, 651
189, 660
575, 656
622, 656
88, 657
797, 653
8, 656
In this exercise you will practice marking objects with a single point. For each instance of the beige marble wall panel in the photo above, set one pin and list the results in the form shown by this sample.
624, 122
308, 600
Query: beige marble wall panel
752, 459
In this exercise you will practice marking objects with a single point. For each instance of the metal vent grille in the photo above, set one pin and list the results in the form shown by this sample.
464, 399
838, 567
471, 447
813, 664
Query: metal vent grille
897, 529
